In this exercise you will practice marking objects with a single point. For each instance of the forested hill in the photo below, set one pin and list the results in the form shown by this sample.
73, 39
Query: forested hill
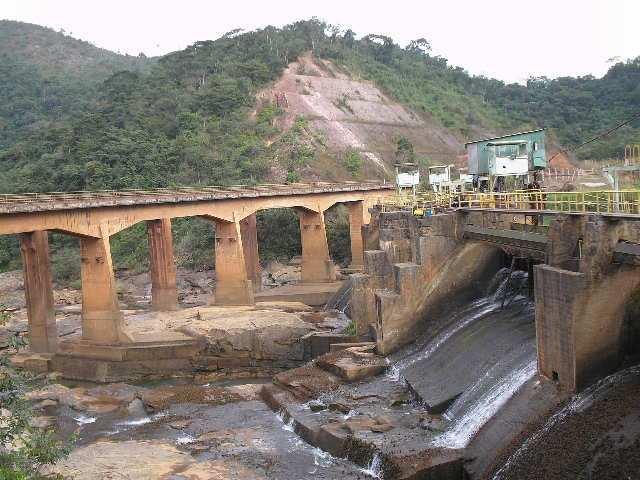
47, 75
76, 117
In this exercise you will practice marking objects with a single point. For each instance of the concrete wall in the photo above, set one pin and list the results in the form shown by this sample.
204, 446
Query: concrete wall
559, 298
415, 269
581, 297
419, 268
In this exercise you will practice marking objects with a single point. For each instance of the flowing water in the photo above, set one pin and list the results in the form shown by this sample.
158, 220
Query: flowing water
580, 403
484, 355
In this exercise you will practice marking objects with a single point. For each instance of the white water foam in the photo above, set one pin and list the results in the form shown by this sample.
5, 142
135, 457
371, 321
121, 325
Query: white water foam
135, 422
287, 421
84, 419
460, 432
185, 439
374, 469
322, 458
141, 421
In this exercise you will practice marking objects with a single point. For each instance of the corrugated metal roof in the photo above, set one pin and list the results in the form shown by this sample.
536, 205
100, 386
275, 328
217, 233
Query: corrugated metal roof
505, 136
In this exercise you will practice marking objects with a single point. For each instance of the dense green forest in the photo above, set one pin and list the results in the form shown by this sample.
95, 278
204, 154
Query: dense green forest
76, 117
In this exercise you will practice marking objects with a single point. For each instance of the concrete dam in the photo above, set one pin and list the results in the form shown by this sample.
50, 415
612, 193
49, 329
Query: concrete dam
485, 347
482, 345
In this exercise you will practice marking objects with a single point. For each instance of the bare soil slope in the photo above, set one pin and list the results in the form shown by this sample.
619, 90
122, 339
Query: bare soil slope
353, 114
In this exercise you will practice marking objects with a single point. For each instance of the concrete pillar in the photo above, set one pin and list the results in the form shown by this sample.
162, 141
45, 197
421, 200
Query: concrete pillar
232, 284
102, 320
249, 234
362, 304
560, 300
356, 221
164, 293
43, 333
316, 263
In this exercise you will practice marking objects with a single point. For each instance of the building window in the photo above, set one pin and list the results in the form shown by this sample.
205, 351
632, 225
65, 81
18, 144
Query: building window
522, 149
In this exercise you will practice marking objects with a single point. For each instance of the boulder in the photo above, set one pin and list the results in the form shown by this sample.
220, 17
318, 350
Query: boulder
76, 398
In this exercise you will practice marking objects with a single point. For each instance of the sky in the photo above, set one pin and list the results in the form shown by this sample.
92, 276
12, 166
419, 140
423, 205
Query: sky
509, 40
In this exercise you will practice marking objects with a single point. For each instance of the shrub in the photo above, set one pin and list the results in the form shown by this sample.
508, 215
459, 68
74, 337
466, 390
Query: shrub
26, 448
353, 162
278, 234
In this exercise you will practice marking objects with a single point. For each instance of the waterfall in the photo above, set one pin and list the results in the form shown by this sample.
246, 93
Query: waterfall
504, 313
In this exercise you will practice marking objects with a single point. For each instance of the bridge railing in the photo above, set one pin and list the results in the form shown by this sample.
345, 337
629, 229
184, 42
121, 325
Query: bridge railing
622, 201
176, 192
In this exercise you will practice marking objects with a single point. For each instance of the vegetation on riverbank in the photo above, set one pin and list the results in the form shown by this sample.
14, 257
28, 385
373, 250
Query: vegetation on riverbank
75, 117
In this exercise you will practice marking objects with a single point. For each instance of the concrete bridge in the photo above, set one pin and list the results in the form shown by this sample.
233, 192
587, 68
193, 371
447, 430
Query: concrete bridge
584, 268
94, 217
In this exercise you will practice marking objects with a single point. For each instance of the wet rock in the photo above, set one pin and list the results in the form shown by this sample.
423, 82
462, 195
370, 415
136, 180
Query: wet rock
220, 470
359, 424
384, 427
119, 392
160, 398
180, 424
432, 424
316, 406
339, 407
136, 408
249, 391
75, 398
400, 399
382, 424
307, 382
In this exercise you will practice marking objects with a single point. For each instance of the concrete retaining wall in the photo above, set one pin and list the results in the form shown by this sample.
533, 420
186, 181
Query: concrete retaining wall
419, 267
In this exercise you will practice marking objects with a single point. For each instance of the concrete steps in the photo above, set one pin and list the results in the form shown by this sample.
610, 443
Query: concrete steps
370, 420
354, 363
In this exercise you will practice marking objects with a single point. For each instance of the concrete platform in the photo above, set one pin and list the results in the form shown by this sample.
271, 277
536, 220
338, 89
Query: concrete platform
81, 360
313, 294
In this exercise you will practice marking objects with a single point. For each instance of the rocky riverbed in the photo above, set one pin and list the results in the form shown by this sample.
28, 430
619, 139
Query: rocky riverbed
179, 430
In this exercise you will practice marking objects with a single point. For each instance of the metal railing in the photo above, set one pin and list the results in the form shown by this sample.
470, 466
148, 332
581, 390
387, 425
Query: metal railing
57, 200
622, 201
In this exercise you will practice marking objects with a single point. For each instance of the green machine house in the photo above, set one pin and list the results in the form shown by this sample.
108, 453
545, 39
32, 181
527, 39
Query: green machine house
507, 162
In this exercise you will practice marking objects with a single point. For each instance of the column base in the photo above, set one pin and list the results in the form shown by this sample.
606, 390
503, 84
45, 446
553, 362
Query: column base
316, 272
240, 293
164, 299
104, 328
44, 344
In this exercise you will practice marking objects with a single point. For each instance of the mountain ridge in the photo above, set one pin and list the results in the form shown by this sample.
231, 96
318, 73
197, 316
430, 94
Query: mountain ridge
197, 116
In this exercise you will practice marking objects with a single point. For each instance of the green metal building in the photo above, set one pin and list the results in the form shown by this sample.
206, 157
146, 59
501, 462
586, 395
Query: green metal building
516, 154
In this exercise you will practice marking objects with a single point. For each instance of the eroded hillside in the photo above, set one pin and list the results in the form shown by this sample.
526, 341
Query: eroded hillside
351, 114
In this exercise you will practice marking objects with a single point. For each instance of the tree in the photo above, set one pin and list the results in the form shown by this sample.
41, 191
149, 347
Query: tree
353, 162
349, 38
404, 150
419, 47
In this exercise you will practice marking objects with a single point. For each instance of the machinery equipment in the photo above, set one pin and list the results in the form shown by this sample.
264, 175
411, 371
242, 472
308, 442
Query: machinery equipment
508, 162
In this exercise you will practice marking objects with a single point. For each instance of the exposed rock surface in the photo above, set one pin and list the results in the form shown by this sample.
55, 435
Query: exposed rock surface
139, 460
354, 363
188, 439
349, 113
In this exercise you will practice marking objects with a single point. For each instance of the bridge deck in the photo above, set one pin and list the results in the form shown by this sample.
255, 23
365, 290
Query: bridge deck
42, 202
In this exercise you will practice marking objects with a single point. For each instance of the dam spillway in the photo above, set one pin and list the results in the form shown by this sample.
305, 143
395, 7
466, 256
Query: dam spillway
471, 369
